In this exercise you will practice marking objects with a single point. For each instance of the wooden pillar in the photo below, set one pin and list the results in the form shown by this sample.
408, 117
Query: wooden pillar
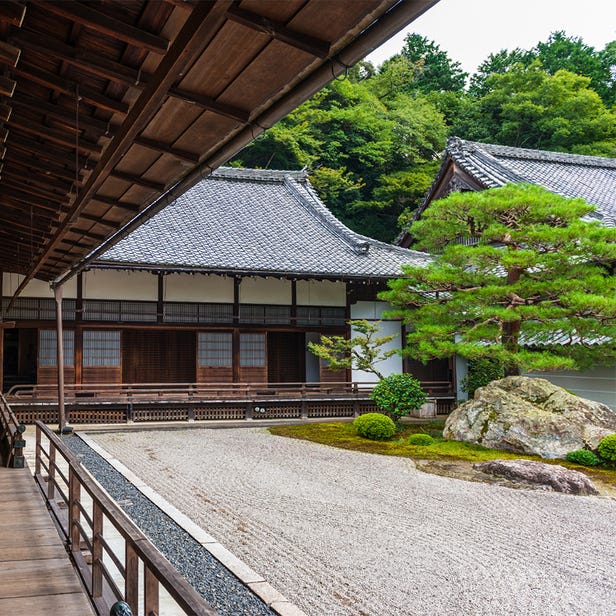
160, 298
1, 334
60, 357
235, 341
79, 331
294, 303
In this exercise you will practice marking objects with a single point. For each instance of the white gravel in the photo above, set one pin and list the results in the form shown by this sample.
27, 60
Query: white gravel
347, 533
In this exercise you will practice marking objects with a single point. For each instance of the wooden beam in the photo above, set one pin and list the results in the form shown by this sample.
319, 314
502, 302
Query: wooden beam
5, 112
15, 181
209, 104
62, 114
89, 234
65, 86
9, 54
25, 195
55, 136
97, 220
84, 60
159, 146
104, 24
4, 133
7, 86
277, 30
12, 12
129, 207
136, 179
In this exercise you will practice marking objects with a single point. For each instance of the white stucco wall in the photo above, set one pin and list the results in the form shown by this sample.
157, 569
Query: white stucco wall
274, 291
35, 288
373, 311
598, 383
321, 293
197, 288
118, 284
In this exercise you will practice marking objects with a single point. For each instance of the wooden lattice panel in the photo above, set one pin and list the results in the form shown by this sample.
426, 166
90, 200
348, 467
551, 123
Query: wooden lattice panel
99, 415
220, 412
330, 409
273, 411
30, 415
367, 407
160, 414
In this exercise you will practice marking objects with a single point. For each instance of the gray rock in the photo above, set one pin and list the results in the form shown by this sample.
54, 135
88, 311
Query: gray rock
530, 416
558, 478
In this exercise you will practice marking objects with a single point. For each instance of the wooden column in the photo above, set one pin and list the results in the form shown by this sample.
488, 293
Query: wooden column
235, 342
160, 298
1, 334
60, 357
79, 331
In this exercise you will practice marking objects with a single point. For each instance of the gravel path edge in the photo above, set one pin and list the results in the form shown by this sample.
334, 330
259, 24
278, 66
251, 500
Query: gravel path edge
255, 582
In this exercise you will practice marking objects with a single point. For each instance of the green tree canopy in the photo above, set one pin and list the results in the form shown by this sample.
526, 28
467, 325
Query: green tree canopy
518, 277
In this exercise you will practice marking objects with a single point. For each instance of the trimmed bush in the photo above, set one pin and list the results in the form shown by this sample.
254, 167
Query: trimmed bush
422, 440
398, 394
607, 449
583, 457
375, 426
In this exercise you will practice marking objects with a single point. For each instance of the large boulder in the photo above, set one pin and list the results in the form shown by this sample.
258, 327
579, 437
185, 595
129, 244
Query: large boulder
552, 476
530, 416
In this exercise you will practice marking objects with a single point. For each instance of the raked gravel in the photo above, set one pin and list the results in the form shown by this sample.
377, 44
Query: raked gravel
347, 533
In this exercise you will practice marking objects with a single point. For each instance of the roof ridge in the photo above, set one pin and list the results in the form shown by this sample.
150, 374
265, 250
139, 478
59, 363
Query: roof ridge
530, 154
257, 175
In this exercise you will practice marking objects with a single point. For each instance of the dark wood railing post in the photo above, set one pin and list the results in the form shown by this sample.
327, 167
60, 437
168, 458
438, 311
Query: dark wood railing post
150, 592
37, 452
74, 514
51, 479
97, 551
131, 581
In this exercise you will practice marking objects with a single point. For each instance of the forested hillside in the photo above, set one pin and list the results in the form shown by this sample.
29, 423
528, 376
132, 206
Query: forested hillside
371, 141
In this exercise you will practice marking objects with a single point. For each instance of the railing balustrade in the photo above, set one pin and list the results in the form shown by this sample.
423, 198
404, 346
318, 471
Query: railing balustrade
12, 442
89, 522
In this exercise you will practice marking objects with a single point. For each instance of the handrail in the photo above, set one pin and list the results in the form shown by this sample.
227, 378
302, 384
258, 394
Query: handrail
11, 441
83, 526
189, 391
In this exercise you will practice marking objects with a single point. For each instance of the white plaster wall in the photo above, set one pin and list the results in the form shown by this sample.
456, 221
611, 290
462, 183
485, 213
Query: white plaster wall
598, 383
321, 293
119, 284
274, 291
373, 311
35, 288
197, 288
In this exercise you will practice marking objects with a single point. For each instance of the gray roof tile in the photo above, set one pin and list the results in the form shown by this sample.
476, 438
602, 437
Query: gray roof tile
242, 221
591, 177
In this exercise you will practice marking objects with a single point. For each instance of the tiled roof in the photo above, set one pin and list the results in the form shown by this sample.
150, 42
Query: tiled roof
591, 177
245, 221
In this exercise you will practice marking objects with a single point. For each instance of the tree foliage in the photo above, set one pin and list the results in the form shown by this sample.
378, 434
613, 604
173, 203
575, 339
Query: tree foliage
361, 352
519, 277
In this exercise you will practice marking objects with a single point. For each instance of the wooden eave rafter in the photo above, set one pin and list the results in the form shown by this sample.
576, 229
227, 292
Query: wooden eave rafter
111, 107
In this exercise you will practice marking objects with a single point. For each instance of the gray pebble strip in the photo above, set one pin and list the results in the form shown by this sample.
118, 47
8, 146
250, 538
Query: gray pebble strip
219, 587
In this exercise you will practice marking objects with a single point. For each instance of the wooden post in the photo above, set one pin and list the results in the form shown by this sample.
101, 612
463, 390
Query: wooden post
97, 550
74, 514
51, 478
1, 334
131, 580
150, 592
79, 331
60, 356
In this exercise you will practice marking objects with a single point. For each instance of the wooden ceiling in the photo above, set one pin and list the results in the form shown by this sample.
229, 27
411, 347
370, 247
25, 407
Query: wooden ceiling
110, 106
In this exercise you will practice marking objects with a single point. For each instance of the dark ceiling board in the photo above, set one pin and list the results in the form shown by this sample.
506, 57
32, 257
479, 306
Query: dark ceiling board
165, 148
12, 12
100, 22
209, 104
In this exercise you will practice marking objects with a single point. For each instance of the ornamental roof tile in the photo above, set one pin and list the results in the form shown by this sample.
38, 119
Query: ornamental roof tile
248, 221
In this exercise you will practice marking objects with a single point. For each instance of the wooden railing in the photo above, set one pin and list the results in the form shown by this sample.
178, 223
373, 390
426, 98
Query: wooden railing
125, 392
90, 522
12, 442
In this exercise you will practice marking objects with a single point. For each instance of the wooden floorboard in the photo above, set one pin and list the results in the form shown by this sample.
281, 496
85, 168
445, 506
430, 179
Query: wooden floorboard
36, 574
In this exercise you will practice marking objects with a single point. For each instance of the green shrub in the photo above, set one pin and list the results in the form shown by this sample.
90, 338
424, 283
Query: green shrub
607, 449
420, 439
375, 426
398, 394
480, 373
583, 457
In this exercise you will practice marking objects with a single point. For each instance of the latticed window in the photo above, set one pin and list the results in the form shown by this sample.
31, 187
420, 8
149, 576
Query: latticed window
26, 308
48, 353
252, 350
215, 349
261, 313
101, 348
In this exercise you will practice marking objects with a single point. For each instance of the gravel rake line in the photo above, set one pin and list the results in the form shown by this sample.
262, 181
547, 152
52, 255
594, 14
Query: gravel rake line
219, 587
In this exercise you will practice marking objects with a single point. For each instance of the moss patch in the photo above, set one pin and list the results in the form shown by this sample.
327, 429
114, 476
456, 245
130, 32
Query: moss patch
343, 435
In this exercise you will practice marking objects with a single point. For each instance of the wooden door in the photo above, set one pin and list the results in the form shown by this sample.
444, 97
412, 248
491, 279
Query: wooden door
286, 357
